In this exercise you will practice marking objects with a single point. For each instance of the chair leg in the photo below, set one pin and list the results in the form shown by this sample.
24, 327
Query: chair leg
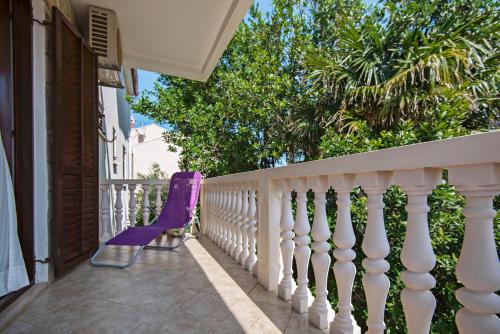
95, 263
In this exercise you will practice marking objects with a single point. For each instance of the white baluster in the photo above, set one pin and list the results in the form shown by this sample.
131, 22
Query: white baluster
228, 219
417, 254
244, 227
301, 298
145, 204
218, 207
320, 312
255, 270
252, 232
344, 270
478, 267
236, 249
376, 247
222, 223
132, 205
225, 212
119, 208
105, 214
209, 206
287, 245
212, 208
158, 202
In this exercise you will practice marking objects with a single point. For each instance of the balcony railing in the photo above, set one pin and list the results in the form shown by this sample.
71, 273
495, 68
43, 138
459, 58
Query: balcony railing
118, 195
250, 216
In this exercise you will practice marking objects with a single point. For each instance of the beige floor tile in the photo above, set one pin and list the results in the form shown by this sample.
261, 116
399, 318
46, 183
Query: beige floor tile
72, 316
299, 324
19, 327
117, 319
261, 295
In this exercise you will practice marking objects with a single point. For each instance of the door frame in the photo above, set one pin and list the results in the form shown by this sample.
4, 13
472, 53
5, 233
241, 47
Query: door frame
17, 121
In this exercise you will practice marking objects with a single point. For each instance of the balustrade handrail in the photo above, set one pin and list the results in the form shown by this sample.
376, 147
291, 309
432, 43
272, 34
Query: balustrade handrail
480, 148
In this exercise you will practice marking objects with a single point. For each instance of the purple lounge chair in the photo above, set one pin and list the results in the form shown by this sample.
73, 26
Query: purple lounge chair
177, 213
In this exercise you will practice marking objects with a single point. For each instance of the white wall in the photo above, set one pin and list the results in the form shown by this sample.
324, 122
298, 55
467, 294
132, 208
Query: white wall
112, 103
116, 116
152, 150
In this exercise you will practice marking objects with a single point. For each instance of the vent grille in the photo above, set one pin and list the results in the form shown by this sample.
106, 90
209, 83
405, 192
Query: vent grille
103, 32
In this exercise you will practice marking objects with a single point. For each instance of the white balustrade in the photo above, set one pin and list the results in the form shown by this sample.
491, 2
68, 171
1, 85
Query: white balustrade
145, 204
228, 220
118, 208
105, 214
242, 256
158, 200
344, 269
252, 232
473, 167
478, 267
132, 206
302, 298
320, 312
287, 245
417, 254
123, 198
376, 247
236, 247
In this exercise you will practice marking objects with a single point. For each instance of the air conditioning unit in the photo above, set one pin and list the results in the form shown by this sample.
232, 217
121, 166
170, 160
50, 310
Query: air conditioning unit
104, 37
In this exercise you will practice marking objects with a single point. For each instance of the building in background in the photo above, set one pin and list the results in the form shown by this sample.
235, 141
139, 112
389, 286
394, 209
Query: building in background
147, 147
114, 132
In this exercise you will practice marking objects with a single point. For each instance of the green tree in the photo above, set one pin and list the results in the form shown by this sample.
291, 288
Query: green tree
154, 173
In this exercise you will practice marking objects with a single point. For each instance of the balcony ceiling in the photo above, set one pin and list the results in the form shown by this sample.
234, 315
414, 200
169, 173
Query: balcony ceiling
183, 38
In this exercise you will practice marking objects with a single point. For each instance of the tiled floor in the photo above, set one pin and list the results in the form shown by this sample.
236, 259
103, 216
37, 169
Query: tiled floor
195, 289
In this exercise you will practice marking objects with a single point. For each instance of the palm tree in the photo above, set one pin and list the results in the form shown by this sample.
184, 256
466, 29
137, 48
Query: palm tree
383, 80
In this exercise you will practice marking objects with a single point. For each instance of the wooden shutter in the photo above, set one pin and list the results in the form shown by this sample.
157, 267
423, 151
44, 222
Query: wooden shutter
75, 152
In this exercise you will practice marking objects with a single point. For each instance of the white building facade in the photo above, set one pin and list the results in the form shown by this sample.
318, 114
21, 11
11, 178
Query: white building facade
148, 147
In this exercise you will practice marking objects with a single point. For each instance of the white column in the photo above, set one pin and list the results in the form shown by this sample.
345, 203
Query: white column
236, 249
119, 208
302, 297
376, 247
287, 245
344, 269
105, 214
158, 202
244, 227
250, 261
145, 204
417, 254
132, 205
320, 312
478, 267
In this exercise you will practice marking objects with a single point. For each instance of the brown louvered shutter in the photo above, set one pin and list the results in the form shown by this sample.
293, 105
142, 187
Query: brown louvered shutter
75, 163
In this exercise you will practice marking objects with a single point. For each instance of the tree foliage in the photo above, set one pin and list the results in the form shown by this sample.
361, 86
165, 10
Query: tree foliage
324, 78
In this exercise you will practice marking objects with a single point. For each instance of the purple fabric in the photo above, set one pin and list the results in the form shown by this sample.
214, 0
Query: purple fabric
136, 236
181, 202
